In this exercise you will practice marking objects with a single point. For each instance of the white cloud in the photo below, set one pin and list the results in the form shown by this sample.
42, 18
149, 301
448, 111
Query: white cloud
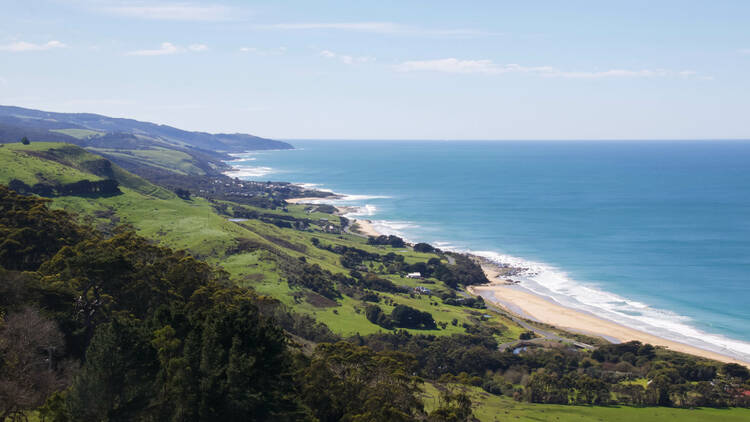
23, 46
375, 27
198, 47
744, 51
167, 48
264, 52
453, 65
178, 11
345, 58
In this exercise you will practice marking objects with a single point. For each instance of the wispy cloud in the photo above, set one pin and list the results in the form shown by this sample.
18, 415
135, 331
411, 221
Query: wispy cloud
264, 51
346, 59
744, 51
198, 47
173, 11
23, 46
457, 66
167, 48
390, 28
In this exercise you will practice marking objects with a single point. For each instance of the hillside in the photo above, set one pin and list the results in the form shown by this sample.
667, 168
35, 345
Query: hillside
320, 284
146, 148
89, 128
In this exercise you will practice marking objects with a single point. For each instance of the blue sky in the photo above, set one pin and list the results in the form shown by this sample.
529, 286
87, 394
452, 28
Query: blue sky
389, 69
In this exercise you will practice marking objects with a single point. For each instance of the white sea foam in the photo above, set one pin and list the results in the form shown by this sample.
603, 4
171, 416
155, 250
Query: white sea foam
249, 171
547, 281
554, 284
240, 160
396, 228
313, 186
347, 197
367, 210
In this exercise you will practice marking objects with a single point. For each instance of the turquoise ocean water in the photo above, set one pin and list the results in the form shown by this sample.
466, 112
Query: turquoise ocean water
654, 235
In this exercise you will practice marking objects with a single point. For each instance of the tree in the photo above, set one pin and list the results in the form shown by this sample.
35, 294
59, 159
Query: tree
452, 408
408, 317
29, 345
115, 383
348, 382
30, 233
182, 193
424, 247
25, 140
546, 387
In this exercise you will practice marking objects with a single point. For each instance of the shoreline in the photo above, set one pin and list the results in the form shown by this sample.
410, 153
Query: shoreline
528, 304
365, 227
523, 303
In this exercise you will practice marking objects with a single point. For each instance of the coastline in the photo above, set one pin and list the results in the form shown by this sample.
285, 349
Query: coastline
365, 227
526, 304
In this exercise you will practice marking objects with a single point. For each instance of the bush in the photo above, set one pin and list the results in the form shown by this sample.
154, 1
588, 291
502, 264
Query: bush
390, 240
424, 247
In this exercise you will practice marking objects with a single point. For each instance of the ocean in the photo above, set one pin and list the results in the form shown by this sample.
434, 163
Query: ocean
654, 235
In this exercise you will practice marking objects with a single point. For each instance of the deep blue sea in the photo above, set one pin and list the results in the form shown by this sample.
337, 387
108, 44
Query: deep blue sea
654, 235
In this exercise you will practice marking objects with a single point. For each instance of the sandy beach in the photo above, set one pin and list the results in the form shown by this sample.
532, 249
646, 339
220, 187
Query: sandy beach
309, 200
526, 304
546, 311
363, 226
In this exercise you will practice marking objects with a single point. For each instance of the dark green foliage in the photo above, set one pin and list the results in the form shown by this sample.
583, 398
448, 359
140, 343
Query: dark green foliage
182, 193
347, 382
165, 337
314, 278
526, 335
118, 379
437, 356
407, 317
376, 315
106, 187
25, 141
736, 371
424, 248
402, 316
450, 298
373, 282
390, 240
454, 407
30, 233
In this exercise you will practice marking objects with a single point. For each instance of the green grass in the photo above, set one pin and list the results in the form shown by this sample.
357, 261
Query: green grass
18, 164
79, 133
195, 226
166, 159
488, 407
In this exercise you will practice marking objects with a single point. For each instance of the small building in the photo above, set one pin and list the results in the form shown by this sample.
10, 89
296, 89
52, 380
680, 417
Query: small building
414, 275
422, 290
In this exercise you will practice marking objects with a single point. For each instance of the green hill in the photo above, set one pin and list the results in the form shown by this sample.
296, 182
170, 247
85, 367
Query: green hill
304, 258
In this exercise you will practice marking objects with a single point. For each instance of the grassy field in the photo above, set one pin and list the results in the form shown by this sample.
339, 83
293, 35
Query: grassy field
19, 163
490, 408
79, 133
165, 159
195, 225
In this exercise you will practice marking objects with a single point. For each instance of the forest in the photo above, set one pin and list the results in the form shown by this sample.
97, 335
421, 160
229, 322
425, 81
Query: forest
116, 327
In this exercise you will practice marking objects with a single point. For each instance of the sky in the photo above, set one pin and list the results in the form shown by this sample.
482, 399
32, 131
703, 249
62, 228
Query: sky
389, 69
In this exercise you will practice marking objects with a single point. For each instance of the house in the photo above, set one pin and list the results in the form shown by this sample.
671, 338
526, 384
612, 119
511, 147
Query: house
422, 290
414, 275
